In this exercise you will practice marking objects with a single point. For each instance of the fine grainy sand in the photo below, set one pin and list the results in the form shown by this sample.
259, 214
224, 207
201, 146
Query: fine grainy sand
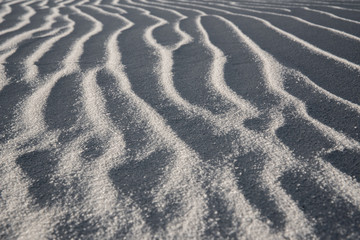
140, 119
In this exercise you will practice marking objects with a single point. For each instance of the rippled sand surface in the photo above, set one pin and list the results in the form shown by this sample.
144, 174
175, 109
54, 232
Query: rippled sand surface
209, 119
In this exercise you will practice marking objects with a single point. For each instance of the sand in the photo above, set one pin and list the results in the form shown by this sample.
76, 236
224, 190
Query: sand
139, 119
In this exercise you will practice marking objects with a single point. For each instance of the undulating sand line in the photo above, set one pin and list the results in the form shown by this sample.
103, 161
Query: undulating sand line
346, 9
12, 81
215, 76
355, 106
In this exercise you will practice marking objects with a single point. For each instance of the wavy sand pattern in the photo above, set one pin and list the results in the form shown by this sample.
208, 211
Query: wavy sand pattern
139, 119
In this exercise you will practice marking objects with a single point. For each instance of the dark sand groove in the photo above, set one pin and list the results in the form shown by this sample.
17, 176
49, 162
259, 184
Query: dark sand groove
59, 23
39, 166
63, 114
78, 226
137, 119
192, 72
346, 161
92, 149
303, 139
192, 65
219, 213
24, 50
138, 179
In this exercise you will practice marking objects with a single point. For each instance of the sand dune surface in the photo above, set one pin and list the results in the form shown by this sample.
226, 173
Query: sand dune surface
209, 119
